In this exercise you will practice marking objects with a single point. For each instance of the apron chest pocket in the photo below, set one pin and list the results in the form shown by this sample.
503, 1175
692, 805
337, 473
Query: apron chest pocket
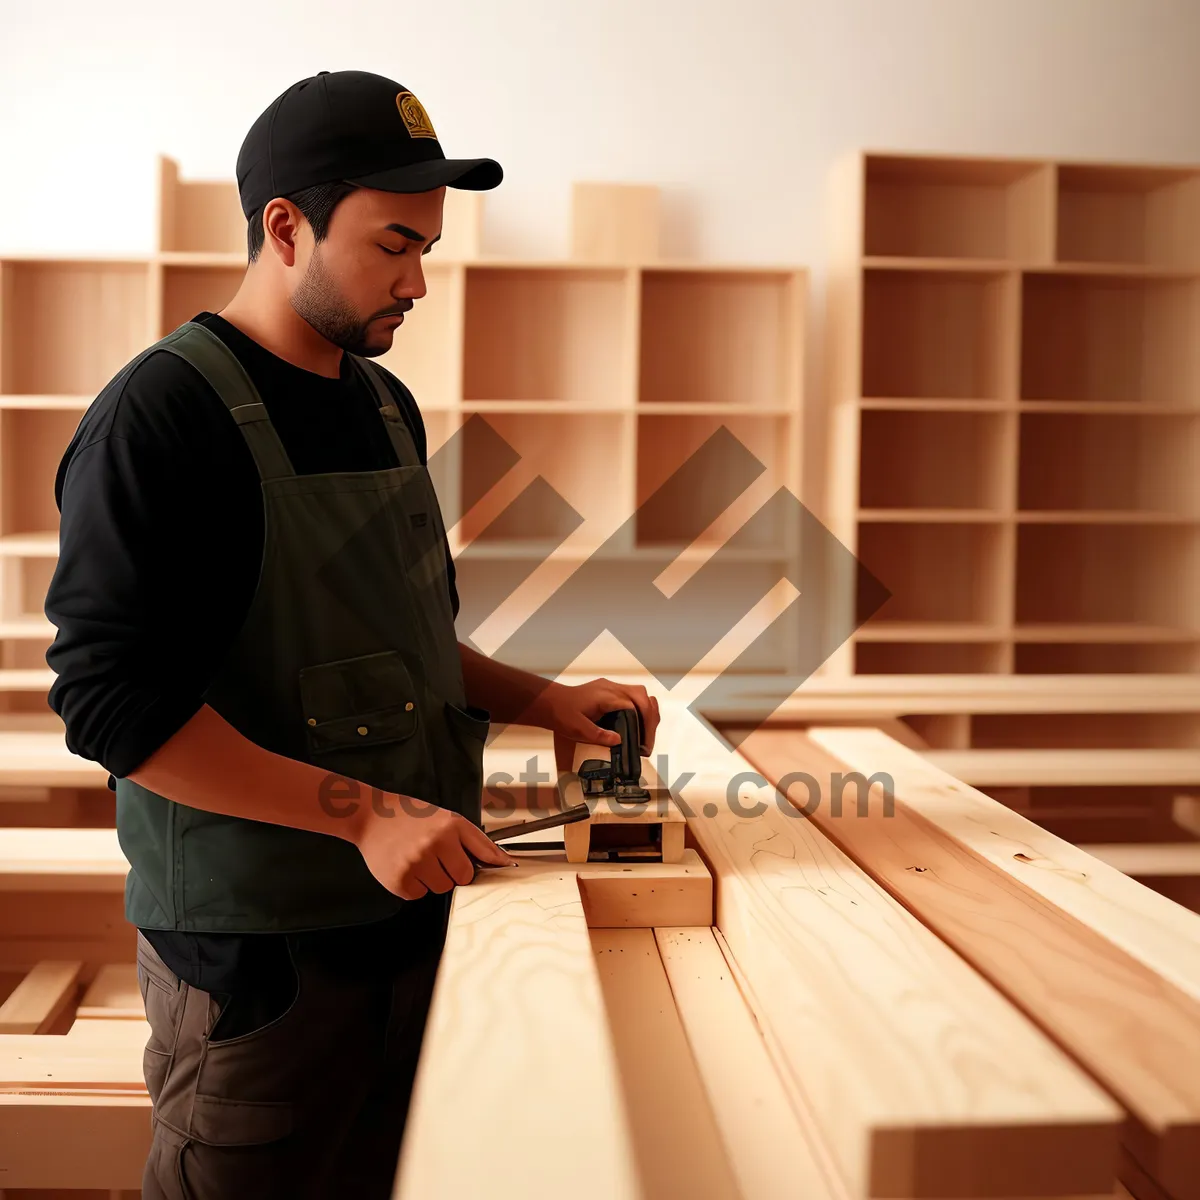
362, 701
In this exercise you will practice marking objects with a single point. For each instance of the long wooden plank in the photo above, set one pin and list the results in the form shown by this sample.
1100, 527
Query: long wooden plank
773, 1153
40, 998
517, 1053
64, 1141
1145, 926
676, 1140
921, 1078
1005, 768
1086, 951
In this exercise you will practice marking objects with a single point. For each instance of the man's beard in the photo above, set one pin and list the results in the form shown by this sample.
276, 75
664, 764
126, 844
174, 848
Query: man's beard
318, 301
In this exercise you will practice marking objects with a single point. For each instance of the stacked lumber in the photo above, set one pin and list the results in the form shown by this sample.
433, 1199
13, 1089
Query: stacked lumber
949, 1002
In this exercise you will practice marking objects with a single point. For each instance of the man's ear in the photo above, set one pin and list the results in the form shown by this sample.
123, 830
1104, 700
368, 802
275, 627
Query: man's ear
283, 224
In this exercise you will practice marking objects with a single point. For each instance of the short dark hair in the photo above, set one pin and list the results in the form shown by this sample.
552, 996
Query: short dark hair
317, 205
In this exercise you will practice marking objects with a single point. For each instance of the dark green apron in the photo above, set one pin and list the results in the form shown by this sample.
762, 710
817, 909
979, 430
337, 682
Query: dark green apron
347, 660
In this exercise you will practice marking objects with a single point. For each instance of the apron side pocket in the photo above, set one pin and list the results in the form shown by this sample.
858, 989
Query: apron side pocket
463, 778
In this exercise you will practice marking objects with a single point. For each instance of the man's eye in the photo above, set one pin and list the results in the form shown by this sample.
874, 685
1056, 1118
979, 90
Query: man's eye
387, 251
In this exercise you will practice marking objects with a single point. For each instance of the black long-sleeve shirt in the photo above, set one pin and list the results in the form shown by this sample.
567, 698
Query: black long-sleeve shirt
161, 539
162, 534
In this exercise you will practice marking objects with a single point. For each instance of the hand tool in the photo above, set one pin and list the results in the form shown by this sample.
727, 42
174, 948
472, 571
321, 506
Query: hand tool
619, 776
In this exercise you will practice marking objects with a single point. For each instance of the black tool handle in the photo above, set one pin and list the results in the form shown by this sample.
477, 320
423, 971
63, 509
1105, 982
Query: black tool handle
580, 812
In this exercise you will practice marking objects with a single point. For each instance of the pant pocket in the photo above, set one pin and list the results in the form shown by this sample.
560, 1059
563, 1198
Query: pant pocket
240, 1150
164, 1003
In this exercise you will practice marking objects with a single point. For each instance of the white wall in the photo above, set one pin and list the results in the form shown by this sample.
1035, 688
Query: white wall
735, 108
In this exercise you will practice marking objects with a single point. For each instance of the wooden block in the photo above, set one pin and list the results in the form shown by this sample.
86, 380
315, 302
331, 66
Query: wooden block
676, 1139
113, 994
862, 1000
773, 1152
646, 895
1083, 949
517, 1043
40, 998
614, 222
659, 809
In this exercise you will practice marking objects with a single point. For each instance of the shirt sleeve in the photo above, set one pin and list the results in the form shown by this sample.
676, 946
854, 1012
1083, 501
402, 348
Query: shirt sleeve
154, 569
106, 655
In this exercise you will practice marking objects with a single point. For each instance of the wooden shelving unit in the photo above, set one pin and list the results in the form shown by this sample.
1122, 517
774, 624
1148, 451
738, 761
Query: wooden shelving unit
601, 372
1014, 381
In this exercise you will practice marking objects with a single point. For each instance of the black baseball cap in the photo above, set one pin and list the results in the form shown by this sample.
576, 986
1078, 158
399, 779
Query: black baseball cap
350, 126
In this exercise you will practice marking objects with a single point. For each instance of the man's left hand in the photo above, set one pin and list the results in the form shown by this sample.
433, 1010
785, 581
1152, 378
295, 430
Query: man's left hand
572, 711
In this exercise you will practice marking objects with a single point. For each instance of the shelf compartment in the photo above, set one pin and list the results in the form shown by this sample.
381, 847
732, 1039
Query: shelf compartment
937, 334
1085, 574
1086, 814
1106, 658
25, 583
934, 460
1136, 215
1085, 731
24, 654
189, 291
929, 658
32, 442
622, 599
198, 216
69, 327
738, 446
1109, 463
584, 461
720, 338
958, 208
425, 349
548, 334
936, 572
1113, 339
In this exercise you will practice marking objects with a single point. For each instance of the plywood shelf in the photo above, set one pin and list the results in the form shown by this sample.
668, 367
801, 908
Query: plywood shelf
720, 338
69, 326
936, 335
1133, 657
1129, 215
1110, 339
589, 368
1069, 574
950, 572
695, 475
939, 460
947, 208
189, 290
550, 335
1096, 462
1012, 343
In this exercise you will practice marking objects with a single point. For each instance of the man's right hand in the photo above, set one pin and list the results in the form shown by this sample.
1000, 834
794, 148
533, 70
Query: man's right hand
423, 848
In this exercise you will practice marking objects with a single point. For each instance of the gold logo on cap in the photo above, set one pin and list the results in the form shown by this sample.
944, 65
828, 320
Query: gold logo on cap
416, 119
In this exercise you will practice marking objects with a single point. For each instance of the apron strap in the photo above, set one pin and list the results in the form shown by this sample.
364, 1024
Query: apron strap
397, 427
220, 366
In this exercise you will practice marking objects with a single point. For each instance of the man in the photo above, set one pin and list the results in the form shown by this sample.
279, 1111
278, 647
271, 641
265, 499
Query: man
255, 606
